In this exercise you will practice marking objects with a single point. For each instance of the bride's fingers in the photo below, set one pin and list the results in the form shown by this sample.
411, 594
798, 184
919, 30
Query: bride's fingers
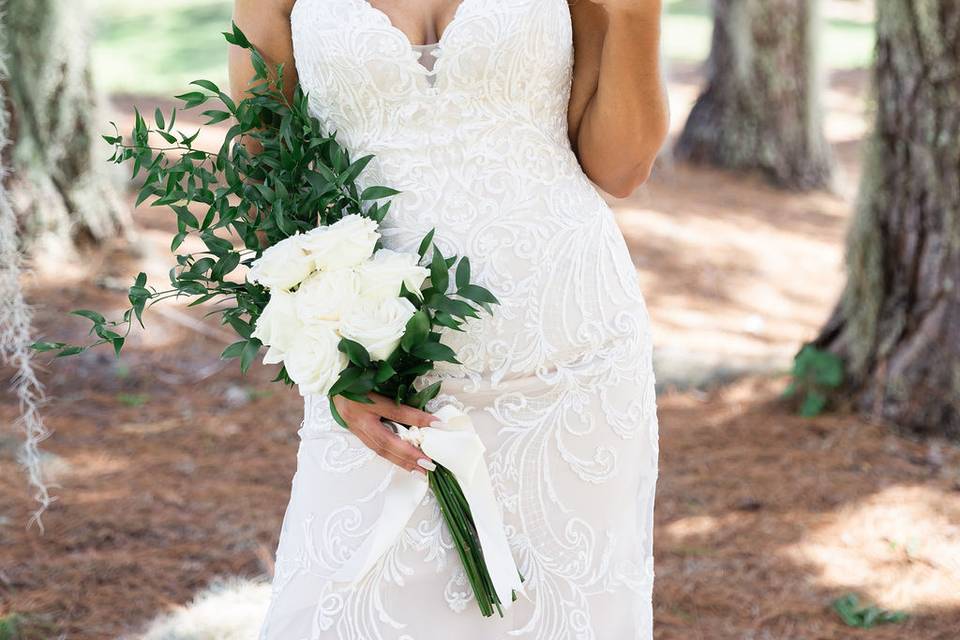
403, 414
385, 444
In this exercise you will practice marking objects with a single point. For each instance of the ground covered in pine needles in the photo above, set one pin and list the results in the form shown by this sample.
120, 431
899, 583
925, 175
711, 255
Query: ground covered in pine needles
174, 470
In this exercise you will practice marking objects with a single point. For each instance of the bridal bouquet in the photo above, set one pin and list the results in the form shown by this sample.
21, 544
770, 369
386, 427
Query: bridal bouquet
291, 260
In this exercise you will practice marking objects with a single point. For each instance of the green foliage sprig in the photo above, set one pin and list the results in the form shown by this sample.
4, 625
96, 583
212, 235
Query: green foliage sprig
854, 615
237, 201
816, 375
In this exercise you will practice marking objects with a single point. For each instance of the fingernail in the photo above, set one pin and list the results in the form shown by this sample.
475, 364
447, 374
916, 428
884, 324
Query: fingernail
427, 464
419, 473
438, 423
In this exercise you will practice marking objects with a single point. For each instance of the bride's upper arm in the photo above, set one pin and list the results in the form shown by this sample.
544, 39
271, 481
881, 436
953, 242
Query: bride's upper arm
266, 23
589, 26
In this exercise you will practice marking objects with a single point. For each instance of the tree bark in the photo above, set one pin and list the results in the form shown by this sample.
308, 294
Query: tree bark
59, 186
761, 107
898, 323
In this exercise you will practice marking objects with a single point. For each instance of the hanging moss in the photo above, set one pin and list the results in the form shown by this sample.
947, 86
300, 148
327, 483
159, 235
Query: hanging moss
15, 320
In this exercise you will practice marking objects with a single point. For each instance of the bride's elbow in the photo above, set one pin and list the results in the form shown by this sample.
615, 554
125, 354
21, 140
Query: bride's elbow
622, 184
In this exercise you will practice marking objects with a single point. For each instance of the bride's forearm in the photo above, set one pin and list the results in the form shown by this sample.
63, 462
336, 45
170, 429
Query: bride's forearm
627, 119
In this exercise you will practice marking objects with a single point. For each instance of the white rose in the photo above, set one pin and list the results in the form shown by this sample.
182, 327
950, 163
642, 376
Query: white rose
314, 362
278, 326
283, 265
381, 277
345, 243
327, 295
377, 325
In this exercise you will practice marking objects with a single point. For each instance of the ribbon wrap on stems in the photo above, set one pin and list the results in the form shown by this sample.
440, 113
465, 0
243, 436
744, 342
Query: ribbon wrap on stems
455, 444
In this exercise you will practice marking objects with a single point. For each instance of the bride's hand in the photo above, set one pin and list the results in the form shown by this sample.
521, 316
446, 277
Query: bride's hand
364, 422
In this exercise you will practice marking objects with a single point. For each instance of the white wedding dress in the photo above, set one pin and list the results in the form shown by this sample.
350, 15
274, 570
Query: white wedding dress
558, 381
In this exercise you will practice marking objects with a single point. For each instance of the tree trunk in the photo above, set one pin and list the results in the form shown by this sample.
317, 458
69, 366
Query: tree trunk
761, 106
898, 323
59, 185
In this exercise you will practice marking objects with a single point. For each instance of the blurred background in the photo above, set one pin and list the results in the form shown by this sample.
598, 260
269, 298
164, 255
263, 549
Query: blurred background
808, 198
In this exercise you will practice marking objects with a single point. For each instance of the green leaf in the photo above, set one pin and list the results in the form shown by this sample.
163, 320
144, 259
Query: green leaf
457, 308
446, 320
237, 37
225, 266
347, 377
215, 116
813, 404
47, 346
93, 316
853, 615
234, 350
419, 399
158, 117
435, 351
384, 373
248, 354
425, 243
70, 351
240, 326
416, 331
356, 352
463, 273
117, 345
192, 99
206, 84
375, 193
354, 169
336, 414
476, 293
439, 278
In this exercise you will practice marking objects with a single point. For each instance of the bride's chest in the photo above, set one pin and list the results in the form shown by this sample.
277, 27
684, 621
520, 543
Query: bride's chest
499, 50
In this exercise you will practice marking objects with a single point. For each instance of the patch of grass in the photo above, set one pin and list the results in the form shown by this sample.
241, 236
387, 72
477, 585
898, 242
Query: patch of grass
688, 26
10, 626
133, 399
156, 49
854, 615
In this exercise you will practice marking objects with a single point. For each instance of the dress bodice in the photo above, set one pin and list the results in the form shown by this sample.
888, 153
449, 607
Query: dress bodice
496, 59
482, 155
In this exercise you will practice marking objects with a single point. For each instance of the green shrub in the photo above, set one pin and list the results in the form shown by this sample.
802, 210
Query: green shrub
816, 374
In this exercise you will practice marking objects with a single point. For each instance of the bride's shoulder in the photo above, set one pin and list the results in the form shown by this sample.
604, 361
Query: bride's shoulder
264, 8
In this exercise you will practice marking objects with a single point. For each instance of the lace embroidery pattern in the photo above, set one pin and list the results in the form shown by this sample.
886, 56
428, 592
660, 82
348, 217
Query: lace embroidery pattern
559, 381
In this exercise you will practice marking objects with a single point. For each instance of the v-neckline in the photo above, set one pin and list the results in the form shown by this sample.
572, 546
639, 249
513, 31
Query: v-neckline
401, 32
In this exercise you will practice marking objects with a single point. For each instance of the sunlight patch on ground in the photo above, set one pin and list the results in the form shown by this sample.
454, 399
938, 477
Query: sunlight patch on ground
692, 527
229, 610
900, 547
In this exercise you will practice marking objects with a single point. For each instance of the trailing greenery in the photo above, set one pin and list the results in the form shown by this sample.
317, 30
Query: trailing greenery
237, 202
816, 375
855, 615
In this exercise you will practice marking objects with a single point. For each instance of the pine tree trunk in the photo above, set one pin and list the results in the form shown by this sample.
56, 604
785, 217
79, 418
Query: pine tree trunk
59, 184
898, 323
761, 106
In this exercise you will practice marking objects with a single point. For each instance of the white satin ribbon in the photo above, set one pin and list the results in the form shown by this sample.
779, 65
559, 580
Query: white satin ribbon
456, 445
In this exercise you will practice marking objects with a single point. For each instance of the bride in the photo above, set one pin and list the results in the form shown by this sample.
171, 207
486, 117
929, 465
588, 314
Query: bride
491, 117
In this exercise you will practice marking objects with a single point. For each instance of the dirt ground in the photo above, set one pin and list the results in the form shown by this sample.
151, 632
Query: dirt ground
173, 469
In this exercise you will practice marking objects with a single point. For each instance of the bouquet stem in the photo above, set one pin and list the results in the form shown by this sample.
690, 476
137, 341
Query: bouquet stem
459, 520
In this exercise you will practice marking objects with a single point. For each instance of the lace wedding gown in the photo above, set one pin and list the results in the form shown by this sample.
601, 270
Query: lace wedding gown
558, 381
